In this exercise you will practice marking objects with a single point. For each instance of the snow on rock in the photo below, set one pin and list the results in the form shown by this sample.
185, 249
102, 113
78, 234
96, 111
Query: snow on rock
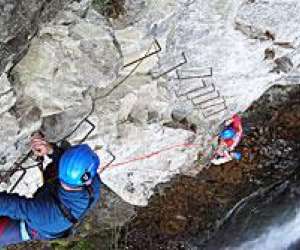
79, 57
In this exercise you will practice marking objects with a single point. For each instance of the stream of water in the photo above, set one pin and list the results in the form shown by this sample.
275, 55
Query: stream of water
269, 220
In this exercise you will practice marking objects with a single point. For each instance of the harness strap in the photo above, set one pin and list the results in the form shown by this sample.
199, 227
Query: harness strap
66, 211
90, 191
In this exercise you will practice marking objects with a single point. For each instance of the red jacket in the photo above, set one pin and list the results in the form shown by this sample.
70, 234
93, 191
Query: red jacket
236, 124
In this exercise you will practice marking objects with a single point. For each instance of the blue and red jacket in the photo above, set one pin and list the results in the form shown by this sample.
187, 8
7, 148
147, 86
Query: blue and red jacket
42, 213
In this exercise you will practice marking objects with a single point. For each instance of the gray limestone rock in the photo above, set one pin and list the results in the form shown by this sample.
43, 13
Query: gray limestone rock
64, 62
7, 97
19, 22
207, 62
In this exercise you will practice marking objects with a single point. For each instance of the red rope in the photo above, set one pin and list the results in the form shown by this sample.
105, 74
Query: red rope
149, 155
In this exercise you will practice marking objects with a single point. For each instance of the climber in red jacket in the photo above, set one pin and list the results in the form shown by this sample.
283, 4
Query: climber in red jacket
229, 138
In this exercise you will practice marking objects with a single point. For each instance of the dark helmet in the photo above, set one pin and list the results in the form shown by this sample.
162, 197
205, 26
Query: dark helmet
78, 165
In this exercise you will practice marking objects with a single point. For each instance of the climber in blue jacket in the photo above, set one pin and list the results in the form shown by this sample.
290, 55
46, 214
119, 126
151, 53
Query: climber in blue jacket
57, 207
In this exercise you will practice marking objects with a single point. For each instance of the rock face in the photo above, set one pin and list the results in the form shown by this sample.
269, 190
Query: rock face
209, 59
19, 22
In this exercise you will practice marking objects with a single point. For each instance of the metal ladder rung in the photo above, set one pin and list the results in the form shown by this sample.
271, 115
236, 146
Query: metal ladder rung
193, 76
146, 55
209, 99
202, 95
194, 90
214, 113
158, 75
92, 125
19, 179
213, 105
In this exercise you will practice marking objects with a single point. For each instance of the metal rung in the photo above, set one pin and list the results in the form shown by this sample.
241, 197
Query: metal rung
19, 167
214, 113
212, 105
19, 179
146, 55
187, 74
77, 127
184, 61
208, 100
216, 104
192, 90
205, 101
203, 94
89, 132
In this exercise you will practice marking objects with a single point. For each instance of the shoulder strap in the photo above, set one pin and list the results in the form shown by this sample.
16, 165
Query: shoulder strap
66, 211
63, 209
90, 191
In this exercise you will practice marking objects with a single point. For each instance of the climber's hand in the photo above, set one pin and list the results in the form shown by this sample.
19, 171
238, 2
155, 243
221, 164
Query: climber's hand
40, 146
228, 122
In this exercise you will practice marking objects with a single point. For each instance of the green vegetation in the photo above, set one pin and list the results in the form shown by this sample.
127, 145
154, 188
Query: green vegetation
84, 245
109, 8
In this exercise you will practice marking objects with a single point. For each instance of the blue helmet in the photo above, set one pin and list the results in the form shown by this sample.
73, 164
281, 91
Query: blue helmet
78, 165
236, 155
227, 133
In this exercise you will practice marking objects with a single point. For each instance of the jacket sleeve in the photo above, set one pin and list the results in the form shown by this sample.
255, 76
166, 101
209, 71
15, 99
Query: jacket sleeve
21, 208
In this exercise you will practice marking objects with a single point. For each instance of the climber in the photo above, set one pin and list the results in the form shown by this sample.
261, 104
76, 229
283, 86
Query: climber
58, 207
229, 138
